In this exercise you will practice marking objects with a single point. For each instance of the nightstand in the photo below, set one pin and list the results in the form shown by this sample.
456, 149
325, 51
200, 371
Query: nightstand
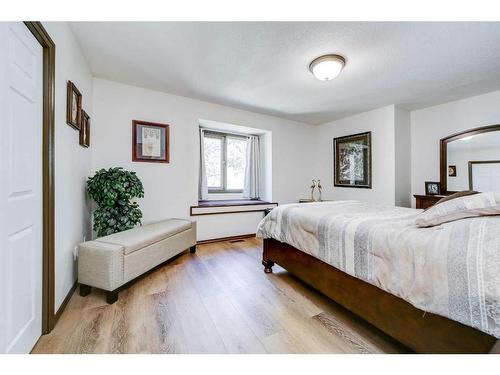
426, 201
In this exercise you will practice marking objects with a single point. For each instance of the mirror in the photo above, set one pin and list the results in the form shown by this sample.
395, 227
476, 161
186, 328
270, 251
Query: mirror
471, 160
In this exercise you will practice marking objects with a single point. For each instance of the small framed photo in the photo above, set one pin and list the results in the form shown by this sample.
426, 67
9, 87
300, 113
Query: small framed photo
452, 171
150, 142
73, 106
432, 188
85, 130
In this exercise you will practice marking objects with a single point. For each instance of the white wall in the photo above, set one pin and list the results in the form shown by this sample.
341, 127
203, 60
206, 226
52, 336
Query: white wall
227, 225
402, 144
381, 123
405, 146
73, 162
429, 125
171, 188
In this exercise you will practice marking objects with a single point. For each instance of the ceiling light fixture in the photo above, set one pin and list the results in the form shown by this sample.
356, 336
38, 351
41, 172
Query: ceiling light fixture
466, 138
327, 67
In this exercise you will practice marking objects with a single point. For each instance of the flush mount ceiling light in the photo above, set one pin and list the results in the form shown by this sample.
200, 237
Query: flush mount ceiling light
327, 67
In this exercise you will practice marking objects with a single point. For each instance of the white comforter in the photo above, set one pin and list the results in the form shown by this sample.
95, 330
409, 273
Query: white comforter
452, 270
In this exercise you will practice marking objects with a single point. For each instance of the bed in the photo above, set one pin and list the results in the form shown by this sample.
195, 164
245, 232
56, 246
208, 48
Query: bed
436, 290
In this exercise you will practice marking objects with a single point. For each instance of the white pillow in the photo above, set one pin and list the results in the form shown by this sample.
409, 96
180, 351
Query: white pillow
483, 204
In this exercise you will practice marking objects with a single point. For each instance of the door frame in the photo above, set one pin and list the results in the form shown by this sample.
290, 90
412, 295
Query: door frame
48, 172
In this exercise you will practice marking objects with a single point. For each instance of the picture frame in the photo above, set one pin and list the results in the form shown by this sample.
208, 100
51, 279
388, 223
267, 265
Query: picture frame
452, 171
432, 188
353, 161
484, 175
73, 106
150, 142
85, 130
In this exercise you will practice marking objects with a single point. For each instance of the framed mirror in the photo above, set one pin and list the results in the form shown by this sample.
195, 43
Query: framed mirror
470, 160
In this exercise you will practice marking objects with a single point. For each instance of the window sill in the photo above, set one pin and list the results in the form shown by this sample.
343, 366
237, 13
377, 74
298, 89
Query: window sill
217, 207
224, 196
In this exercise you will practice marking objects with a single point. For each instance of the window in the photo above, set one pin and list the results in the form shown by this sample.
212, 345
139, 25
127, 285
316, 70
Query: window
225, 162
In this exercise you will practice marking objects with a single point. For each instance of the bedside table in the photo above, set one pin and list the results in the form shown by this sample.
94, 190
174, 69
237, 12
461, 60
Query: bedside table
426, 201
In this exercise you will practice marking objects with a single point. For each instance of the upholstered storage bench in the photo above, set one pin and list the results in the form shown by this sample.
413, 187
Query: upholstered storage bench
112, 261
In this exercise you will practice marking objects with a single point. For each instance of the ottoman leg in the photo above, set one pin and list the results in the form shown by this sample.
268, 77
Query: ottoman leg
112, 296
85, 290
192, 249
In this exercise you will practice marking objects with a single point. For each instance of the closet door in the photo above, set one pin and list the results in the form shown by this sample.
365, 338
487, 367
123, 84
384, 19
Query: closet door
21, 210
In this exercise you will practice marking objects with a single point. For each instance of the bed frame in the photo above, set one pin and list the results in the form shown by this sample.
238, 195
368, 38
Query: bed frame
419, 331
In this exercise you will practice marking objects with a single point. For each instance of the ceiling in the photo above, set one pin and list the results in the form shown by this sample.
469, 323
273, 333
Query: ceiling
478, 141
263, 66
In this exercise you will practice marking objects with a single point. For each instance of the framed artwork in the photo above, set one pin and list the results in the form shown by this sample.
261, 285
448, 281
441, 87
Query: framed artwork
452, 171
85, 130
73, 106
150, 142
432, 188
353, 161
484, 175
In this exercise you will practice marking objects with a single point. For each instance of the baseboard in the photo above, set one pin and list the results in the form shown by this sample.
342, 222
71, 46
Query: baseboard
61, 308
230, 238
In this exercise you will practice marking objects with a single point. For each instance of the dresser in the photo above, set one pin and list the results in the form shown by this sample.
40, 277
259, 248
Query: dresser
426, 201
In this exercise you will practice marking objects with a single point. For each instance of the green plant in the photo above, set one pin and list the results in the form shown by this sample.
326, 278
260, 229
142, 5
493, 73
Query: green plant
113, 190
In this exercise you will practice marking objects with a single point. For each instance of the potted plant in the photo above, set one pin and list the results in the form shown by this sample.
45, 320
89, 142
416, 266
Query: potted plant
113, 191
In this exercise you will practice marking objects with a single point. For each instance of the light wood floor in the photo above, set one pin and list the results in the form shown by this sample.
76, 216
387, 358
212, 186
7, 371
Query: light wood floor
218, 300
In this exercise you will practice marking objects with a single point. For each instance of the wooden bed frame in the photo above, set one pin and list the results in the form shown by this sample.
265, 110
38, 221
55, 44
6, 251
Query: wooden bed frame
419, 331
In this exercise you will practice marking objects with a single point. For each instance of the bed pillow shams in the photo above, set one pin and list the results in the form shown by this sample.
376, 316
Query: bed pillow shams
483, 204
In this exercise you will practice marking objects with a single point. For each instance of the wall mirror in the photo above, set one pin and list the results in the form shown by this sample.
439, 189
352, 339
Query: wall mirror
470, 160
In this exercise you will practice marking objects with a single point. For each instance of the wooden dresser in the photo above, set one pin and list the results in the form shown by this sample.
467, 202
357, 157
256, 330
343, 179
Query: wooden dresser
426, 201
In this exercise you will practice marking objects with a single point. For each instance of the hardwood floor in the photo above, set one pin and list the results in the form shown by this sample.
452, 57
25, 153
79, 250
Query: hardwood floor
218, 300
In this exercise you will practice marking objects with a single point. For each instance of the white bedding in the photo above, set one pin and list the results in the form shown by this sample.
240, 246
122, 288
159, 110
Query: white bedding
452, 269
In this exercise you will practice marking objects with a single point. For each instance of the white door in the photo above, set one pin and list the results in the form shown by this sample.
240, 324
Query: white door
20, 188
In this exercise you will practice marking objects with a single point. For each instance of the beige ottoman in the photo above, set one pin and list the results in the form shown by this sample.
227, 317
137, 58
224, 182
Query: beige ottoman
110, 262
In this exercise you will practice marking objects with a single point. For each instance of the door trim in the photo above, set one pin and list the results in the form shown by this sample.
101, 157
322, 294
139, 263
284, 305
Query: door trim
48, 171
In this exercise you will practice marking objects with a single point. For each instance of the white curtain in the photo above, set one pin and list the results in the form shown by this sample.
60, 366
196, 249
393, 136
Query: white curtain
252, 170
202, 185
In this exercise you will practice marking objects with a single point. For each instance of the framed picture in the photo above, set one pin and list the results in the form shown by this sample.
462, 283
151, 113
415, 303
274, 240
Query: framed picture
484, 175
85, 130
432, 188
452, 171
353, 161
150, 142
73, 106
